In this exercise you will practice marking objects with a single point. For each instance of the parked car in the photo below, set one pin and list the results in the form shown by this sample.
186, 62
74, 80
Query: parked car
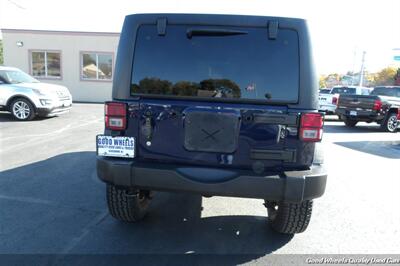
346, 90
217, 105
328, 101
382, 107
325, 90
25, 97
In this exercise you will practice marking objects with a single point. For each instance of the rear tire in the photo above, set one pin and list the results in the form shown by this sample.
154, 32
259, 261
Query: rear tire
350, 123
391, 123
22, 109
127, 206
289, 218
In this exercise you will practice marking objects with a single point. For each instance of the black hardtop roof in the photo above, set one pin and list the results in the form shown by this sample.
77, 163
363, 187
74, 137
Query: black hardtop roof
308, 82
208, 16
215, 19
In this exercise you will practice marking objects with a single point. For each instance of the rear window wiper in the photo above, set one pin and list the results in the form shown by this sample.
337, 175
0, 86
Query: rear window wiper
213, 32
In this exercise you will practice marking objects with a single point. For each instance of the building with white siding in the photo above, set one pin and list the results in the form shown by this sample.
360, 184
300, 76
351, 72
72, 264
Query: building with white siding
82, 61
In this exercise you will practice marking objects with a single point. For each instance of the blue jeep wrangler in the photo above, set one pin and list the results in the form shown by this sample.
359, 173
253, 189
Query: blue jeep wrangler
219, 105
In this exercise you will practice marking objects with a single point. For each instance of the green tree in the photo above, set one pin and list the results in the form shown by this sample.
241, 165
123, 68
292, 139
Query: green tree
334, 76
185, 88
385, 77
154, 86
322, 81
397, 78
214, 84
1, 52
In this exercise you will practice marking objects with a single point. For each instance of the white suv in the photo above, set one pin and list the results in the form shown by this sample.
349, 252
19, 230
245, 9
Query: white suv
26, 97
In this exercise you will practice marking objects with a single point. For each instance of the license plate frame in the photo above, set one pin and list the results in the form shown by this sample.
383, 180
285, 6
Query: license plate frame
118, 146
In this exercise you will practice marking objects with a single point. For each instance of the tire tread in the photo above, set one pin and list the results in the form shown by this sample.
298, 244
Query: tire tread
293, 218
384, 125
124, 207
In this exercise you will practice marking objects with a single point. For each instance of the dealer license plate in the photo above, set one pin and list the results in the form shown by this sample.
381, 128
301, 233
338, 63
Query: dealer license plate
123, 147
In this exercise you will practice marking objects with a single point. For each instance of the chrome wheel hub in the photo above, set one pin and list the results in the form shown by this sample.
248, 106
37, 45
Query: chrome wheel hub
21, 110
392, 123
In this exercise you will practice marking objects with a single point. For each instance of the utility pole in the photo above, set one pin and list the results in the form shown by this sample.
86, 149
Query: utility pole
362, 69
354, 63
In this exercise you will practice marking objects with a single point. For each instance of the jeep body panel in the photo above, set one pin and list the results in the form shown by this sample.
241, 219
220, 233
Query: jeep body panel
247, 147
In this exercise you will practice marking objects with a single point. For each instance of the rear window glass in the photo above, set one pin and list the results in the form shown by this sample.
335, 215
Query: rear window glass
344, 90
394, 92
246, 65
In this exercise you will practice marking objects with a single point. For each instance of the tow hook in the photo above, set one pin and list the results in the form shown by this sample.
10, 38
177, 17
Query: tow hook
131, 193
139, 193
270, 204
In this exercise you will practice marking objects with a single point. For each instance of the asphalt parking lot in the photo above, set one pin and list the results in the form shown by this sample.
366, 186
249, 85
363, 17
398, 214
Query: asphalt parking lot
52, 202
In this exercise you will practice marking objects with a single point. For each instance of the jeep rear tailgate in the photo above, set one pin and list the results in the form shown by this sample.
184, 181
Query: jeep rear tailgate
217, 96
240, 135
357, 102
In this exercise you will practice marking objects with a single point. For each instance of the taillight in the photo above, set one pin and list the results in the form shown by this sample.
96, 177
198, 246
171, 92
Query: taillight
334, 100
311, 127
377, 105
115, 115
398, 114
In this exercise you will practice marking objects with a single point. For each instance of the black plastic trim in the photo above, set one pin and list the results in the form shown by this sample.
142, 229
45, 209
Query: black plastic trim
288, 156
273, 29
222, 100
49, 111
288, 120
212, 32
289, 186
161, 26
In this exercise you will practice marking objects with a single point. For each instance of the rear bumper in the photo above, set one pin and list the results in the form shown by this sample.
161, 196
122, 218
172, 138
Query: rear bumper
362, 115
291, 186
327, 108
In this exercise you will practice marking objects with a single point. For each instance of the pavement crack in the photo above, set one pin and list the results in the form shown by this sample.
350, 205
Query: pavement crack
45, 202
86, 230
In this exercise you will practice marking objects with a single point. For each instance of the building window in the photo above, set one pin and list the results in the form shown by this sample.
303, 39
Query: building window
96, 66
46, 64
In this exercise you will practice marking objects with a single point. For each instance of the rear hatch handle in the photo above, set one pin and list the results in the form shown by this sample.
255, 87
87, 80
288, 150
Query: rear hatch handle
284, 119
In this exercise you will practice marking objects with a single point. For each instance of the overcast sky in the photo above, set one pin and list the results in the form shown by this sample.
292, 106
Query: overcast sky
340, 29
